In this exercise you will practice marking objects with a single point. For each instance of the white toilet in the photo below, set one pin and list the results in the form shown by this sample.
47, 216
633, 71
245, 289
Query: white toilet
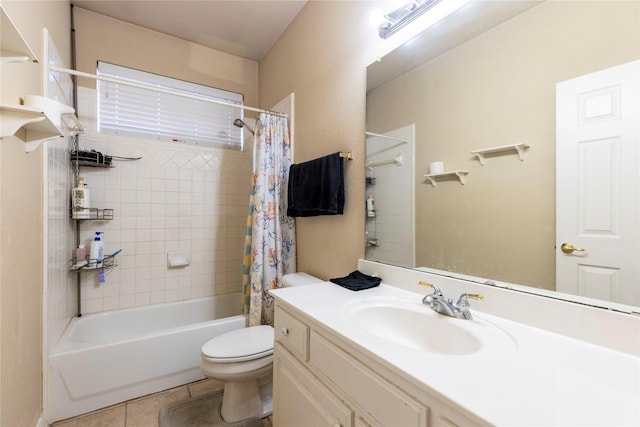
243, 359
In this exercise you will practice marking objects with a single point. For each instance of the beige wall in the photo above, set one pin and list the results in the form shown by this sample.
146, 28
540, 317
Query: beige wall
499, 89
21, 240
322, 57
111, 40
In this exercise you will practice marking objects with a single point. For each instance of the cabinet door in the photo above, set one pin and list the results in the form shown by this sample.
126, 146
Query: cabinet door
382, 402
300, 400
444, 422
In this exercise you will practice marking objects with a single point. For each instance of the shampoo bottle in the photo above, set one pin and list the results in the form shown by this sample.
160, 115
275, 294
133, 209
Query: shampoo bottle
96, 256
371, 212
80, 201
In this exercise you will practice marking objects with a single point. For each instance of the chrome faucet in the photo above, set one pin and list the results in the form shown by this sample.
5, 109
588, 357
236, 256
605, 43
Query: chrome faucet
445, 306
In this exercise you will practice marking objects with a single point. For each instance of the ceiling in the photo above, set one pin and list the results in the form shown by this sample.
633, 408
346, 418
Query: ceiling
245, 28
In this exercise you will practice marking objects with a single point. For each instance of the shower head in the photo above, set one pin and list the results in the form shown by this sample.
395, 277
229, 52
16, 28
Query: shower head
239, 123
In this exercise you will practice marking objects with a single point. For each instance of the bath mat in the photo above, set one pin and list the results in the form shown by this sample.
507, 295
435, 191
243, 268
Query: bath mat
203, 411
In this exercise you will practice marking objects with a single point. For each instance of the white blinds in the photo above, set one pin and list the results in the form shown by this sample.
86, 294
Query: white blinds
124, 109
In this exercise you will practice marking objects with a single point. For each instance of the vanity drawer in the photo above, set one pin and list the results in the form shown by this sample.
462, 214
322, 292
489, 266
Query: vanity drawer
379, 399
292, 333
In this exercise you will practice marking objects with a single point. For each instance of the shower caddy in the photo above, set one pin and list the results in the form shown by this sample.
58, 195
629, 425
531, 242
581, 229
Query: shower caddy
95, 214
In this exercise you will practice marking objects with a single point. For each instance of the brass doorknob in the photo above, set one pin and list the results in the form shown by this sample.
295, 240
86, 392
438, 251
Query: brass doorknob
568, 248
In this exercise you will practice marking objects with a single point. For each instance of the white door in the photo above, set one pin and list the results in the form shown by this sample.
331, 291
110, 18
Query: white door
598, 180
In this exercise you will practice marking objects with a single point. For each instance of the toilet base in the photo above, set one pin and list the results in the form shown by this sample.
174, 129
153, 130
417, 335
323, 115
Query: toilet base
247, 399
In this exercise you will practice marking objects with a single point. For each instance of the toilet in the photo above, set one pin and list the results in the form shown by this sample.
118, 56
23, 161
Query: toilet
243, 359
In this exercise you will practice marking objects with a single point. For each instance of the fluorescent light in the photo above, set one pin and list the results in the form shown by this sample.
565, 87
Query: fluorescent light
429, 12
377, 18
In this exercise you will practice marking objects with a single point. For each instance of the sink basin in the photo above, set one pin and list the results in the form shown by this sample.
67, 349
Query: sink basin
413, 325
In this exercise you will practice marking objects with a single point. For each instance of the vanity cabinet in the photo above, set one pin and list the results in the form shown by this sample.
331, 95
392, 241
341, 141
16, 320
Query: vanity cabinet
303, 400
319, 380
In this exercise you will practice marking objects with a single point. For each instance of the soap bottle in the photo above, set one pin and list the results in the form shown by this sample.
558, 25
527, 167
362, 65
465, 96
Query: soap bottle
80, 202
371, 212
96, 255
81, 253
80, 257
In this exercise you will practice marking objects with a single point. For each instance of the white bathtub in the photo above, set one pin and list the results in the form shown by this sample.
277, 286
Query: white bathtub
110, 357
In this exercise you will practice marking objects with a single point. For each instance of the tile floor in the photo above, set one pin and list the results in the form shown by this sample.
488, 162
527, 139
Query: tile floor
143, 411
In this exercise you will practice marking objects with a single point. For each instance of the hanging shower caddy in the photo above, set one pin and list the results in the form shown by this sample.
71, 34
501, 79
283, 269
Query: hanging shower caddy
82, 158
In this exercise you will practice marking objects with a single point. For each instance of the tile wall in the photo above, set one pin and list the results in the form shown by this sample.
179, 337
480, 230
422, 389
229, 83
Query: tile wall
60, 290
177, 197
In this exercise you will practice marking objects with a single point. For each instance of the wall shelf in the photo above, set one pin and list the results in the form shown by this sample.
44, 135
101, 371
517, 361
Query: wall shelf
38, 126
13, 47
519, 148
107, 263
460, 174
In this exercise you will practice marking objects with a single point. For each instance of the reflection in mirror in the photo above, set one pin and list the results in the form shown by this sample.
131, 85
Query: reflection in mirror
498, 88
389, 231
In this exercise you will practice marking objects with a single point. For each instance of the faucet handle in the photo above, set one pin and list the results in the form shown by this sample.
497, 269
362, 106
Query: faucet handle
463, 300
436, 290
463, 304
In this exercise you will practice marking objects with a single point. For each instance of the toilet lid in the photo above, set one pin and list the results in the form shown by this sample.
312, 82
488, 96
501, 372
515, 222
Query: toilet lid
240, 344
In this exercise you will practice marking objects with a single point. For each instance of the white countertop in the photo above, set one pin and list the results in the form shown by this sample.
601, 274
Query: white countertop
547, 379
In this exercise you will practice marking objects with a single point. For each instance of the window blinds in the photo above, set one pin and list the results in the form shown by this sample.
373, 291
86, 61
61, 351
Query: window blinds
124, 109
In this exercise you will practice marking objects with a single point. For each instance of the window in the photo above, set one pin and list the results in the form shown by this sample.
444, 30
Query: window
129, 110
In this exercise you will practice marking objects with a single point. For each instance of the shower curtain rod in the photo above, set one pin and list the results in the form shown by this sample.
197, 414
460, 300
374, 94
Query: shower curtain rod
157, 89
379, 135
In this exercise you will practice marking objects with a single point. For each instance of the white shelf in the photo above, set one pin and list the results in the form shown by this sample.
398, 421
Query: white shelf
37, 125
519, 148
13, 48
460, 174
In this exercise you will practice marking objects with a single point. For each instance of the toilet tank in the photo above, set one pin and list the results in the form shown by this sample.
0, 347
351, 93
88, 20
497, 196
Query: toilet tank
298, 279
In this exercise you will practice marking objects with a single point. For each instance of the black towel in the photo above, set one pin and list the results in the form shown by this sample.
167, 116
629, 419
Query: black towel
316, 187
357, 281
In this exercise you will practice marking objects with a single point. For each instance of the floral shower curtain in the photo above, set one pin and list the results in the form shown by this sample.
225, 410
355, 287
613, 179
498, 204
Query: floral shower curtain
270, 250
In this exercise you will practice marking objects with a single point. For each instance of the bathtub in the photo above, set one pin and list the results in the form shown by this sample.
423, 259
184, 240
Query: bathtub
107, 358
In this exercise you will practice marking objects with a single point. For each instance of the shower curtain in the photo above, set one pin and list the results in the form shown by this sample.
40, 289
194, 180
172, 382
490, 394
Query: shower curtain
270, 250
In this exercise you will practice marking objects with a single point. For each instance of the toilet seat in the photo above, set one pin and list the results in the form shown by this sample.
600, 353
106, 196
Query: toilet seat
240, 345
243, 359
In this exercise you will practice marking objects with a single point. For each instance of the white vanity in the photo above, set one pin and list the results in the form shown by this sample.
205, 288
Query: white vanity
381, 358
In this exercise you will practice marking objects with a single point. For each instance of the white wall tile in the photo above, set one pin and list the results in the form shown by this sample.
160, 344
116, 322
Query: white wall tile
176, 197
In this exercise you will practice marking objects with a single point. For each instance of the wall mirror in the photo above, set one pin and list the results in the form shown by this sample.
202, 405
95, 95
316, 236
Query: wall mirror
490, 78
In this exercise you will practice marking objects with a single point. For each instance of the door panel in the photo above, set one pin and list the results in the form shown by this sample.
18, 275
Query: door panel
598, 177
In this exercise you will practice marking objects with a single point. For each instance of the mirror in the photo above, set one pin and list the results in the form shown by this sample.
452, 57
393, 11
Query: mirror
484, 77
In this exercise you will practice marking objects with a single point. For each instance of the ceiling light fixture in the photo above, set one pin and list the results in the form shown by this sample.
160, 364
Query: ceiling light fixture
397, 19
400, 17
